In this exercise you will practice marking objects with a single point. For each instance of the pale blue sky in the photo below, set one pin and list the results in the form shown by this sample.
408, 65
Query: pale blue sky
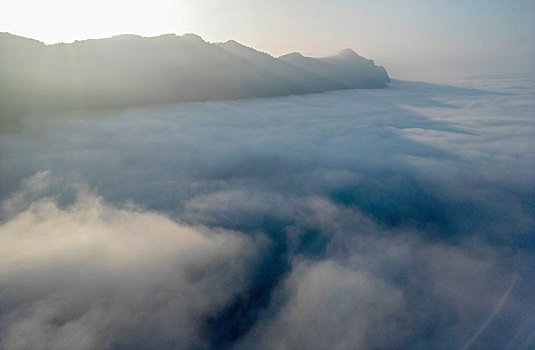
415, 39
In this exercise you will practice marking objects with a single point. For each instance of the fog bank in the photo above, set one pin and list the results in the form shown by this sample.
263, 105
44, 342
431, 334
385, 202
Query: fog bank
389, 219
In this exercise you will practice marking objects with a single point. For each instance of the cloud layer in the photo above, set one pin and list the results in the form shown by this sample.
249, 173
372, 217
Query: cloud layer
93, 276
355, 219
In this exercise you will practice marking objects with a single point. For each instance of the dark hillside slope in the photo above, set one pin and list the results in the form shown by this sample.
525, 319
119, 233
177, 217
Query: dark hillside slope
130, 70
347, 68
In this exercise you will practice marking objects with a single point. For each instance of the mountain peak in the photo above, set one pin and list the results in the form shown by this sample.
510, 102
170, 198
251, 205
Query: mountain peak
232, 42
193, 38
292, 55
235, 45
347, 52
121, 36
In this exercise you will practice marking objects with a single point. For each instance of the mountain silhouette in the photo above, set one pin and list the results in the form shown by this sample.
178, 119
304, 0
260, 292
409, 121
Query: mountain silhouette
129, 70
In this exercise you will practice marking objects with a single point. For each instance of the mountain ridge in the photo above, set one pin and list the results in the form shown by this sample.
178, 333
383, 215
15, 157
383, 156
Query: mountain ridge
131, 70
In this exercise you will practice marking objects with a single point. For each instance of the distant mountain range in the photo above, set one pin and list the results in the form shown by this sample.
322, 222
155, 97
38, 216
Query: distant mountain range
128, 70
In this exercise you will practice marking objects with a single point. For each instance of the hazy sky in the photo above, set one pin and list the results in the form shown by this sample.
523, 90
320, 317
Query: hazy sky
414, 39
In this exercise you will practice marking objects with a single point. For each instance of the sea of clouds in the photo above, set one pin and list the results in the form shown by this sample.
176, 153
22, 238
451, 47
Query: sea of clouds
360, 219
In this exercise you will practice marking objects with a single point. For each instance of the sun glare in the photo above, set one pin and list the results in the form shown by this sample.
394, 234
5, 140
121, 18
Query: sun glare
65, 21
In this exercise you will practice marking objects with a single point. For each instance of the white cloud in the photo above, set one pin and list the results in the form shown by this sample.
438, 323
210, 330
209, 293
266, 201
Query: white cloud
326, 305
91, 275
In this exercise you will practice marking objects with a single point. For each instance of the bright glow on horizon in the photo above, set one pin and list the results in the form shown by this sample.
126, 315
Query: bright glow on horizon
66, 21
414, 40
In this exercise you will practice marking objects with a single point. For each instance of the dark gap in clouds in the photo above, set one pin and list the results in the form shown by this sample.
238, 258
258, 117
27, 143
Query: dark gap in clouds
400, 200
240, 315
236, 319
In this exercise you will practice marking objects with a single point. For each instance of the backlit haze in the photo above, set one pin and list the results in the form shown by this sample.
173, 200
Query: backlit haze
179, 192
416, 40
